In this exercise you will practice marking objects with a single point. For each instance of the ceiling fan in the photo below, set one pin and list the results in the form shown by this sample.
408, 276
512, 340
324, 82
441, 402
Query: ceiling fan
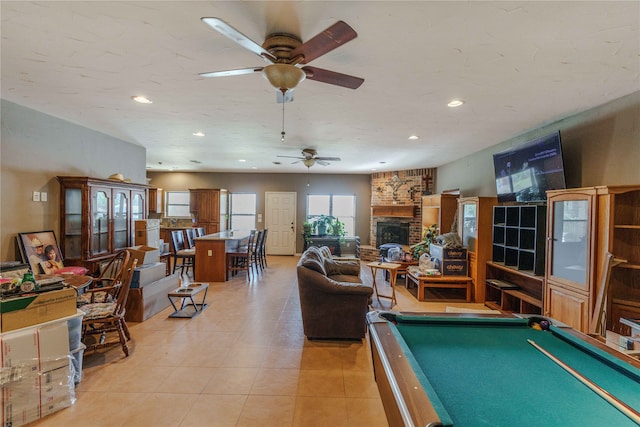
287, 56
310, 157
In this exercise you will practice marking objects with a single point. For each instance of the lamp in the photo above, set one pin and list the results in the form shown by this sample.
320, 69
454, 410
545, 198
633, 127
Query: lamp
283, 76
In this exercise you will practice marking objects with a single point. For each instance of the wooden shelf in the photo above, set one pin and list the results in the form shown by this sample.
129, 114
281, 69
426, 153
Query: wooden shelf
398, 211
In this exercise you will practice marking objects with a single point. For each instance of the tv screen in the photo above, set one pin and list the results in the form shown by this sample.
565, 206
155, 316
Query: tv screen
526, 172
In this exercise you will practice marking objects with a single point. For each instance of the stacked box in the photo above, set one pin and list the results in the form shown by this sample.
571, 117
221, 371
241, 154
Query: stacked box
36, 378
32, 309
450, 261
145, 254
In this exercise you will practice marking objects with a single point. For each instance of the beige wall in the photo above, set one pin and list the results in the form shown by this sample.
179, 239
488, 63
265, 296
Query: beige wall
600, 147
358, 185
34, 149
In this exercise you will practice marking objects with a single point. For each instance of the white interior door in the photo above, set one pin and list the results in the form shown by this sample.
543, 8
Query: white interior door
280, 219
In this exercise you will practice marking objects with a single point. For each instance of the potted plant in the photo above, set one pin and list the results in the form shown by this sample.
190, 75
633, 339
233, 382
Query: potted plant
322, 224
337, 229
307, 229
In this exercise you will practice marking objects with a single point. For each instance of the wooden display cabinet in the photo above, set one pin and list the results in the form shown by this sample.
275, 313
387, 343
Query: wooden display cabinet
524, 297
97, 218
155, 200
585, 224
209, 208
475, 227
439, 209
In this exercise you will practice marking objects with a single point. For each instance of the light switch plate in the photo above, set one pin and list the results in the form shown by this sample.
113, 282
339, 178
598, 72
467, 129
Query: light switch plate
36, 196
43, 197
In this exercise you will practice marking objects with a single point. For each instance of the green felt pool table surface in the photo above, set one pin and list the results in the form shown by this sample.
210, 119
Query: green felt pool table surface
484, 372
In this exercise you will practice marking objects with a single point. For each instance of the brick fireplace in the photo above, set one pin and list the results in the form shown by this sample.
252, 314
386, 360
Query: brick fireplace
396, 198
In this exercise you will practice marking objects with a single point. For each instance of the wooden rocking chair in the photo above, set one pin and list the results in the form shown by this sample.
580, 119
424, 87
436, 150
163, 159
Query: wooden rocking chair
107, 318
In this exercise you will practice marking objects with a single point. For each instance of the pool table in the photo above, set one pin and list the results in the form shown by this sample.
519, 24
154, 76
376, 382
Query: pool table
480, 370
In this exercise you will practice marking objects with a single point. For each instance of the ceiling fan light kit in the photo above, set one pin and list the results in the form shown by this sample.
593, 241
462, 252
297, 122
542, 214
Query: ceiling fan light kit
283, 76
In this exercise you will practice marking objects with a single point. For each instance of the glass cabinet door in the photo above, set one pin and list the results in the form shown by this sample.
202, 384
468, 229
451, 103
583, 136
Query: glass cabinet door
73, 223
570, 241
120, 219
137, 207
470, 226
100, 220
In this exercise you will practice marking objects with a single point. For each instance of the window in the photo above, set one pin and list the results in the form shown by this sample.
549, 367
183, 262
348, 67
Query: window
177, 204
341, 207
243, 211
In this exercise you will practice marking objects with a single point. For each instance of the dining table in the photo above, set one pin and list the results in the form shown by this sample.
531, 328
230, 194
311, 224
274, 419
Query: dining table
211, 254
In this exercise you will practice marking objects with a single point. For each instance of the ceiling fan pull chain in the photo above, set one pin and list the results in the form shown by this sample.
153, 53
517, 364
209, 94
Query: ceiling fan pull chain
282, 134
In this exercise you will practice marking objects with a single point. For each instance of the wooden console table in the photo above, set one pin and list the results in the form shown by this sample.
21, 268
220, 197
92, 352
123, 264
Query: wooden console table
449, 282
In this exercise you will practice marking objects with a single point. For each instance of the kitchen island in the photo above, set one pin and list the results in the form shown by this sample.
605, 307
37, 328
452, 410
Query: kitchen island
211, 250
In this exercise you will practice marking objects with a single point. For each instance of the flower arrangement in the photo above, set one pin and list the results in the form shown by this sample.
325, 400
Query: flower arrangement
429, 237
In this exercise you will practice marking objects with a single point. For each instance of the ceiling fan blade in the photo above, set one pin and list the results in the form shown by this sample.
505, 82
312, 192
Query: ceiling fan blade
236, 72
333, 78
286, 97
331, 38
322, 162
292, 157
228, 31
328, 159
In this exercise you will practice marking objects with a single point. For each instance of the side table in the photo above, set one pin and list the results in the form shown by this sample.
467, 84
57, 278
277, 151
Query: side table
192, 308
392, 268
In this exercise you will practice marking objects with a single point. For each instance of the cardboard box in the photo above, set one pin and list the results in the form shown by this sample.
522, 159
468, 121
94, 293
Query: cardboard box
32, 309
150, 299
149, 273
144, 254
452, 267
438, 252
56, 389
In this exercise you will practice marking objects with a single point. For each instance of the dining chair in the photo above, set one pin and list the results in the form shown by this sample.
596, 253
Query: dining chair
255, 251
263, 249
187, 257
200, 231
191, 235
105, 287
240, 259
103, 320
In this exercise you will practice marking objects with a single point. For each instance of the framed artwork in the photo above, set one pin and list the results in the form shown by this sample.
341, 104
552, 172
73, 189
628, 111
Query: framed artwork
41, 251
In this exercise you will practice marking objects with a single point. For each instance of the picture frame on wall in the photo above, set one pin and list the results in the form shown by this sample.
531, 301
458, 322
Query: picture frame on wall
40, 250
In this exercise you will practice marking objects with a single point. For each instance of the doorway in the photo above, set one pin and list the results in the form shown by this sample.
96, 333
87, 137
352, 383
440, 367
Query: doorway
280, 219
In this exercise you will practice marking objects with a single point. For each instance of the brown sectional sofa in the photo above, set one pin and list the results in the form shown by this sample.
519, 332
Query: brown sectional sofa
333, 299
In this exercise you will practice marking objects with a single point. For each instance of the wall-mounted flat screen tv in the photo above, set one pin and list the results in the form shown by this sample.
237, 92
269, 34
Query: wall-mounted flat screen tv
526, 172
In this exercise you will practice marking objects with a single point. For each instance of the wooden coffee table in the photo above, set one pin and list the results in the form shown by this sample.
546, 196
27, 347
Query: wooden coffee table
449, 282
191, 308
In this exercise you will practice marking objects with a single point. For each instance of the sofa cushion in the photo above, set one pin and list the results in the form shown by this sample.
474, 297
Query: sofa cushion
348, 278
313, 264
331, 267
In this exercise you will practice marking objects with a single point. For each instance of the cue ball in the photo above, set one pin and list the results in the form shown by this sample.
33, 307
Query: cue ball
544, 324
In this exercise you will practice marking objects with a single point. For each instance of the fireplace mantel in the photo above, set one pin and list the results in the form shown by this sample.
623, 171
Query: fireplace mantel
398, 211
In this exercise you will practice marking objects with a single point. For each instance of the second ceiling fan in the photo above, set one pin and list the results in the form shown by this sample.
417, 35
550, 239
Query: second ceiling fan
287, 56
310, 157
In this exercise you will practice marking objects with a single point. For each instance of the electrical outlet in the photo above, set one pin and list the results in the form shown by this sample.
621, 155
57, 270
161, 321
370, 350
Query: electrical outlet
43, 197
36, 196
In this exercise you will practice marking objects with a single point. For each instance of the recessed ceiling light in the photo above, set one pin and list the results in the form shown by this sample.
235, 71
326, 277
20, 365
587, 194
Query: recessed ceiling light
198, 134
254, 167
414, 137
455, 103
242, 160
141, 99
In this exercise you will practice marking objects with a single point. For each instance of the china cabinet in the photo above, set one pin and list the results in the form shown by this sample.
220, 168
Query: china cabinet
439, 209
475, 227
97, 217
586, 224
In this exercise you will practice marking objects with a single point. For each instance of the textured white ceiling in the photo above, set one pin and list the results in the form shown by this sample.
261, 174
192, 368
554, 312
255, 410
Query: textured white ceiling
517, 65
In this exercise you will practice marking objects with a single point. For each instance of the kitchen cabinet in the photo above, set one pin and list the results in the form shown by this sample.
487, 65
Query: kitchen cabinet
209, 209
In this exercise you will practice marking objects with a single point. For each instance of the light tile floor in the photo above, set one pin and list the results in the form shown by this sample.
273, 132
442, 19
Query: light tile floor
244, 361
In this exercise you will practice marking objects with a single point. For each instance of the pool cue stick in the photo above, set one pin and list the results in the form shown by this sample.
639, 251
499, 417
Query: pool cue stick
617, 403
